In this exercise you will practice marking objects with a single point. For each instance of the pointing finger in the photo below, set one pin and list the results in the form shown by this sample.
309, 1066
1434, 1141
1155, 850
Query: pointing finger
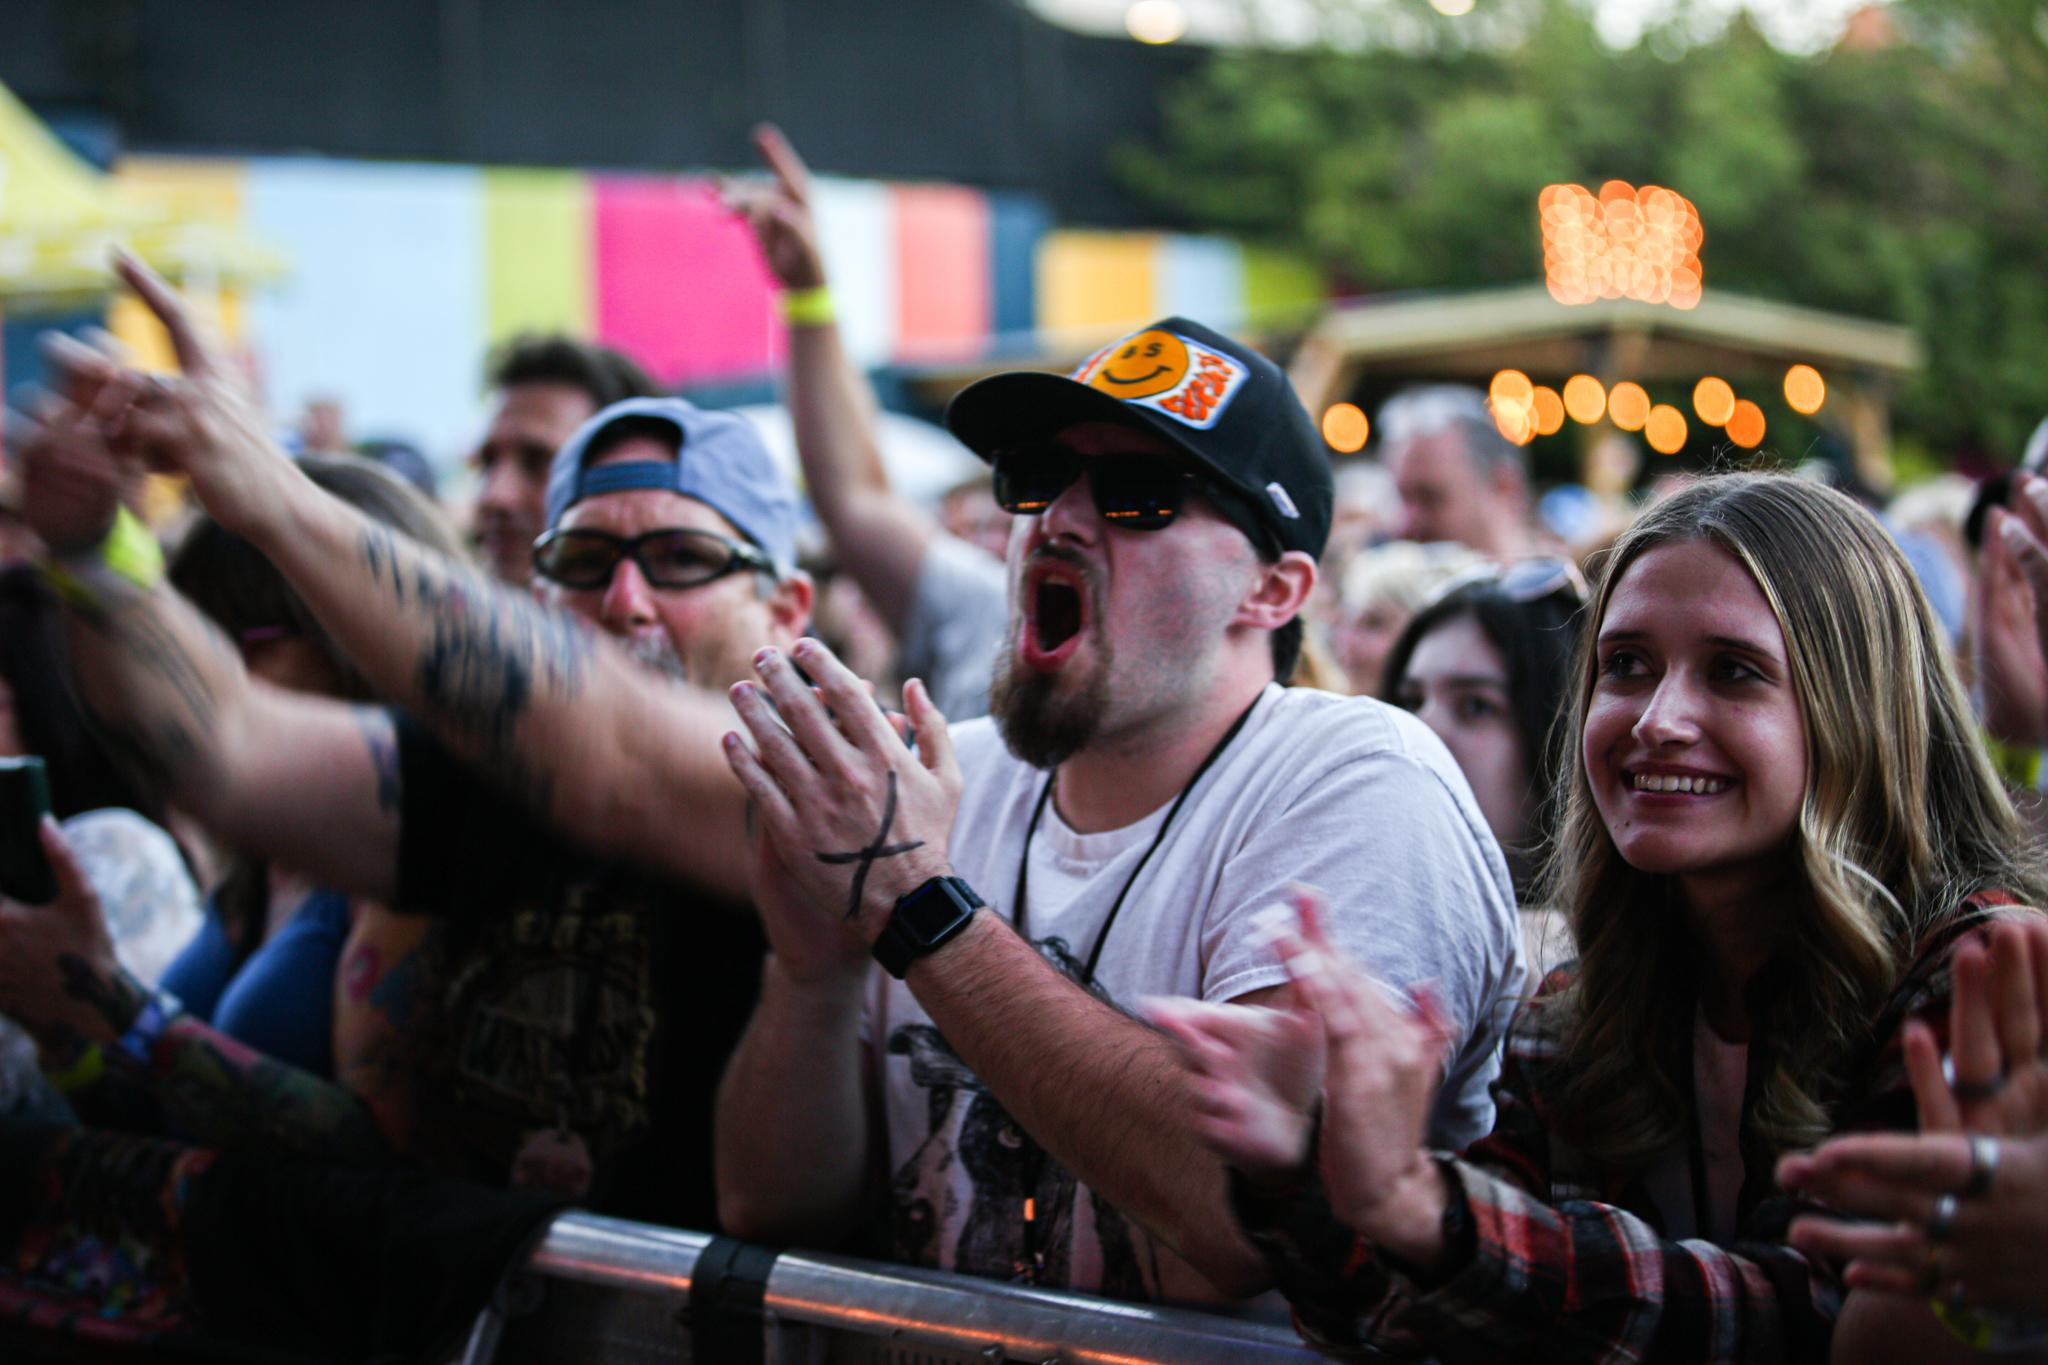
162, 300
789, 168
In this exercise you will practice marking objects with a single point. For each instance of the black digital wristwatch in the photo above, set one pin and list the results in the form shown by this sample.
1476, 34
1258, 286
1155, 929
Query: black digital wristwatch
925, 919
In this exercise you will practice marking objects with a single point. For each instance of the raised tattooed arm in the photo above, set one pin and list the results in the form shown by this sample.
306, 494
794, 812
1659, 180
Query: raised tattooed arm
622, 761
626, 763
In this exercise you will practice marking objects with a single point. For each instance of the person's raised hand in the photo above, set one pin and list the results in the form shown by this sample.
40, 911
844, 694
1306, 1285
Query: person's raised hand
778, 209
2023, 536
200, 424
71, 480
1989, 1255
1995, 1080
58, 973
1384, 1064
2010, 656
856, 817
1965, 1201
1258, 1072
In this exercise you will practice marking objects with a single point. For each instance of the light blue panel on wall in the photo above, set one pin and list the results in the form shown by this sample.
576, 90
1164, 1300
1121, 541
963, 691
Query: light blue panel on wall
857, 233
1202, 278
384, 308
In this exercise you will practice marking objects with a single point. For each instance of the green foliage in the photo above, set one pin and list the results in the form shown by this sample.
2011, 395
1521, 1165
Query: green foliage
1907, 183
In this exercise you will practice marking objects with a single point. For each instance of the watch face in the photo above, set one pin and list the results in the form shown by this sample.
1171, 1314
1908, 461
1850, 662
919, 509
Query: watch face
935, 907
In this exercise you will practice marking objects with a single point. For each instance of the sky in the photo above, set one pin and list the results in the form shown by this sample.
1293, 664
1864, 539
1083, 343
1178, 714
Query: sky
1796, 25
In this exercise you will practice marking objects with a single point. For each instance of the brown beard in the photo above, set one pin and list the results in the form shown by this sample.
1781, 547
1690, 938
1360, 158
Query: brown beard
1041, 726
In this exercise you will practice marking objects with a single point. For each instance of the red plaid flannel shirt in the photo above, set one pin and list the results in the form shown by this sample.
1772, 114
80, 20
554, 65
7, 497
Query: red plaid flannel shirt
1551, 1258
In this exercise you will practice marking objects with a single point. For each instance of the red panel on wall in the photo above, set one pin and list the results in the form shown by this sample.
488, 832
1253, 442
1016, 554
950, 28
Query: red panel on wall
942, 271
680, 285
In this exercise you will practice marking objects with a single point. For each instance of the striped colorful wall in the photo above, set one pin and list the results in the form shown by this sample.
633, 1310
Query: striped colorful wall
403, 277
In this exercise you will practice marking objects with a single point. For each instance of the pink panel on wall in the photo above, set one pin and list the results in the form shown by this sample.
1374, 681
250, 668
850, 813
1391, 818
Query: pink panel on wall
942, 271
680, 285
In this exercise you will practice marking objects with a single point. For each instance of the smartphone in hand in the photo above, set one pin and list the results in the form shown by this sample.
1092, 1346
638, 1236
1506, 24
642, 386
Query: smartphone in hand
25, 872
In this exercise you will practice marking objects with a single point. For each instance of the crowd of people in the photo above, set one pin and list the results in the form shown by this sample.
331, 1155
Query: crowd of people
1277, 884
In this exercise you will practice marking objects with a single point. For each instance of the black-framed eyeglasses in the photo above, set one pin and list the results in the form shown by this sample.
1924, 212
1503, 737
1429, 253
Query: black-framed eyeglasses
1138, 492
672, 557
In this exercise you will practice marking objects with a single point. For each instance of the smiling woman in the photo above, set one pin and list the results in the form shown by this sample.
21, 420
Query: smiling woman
1840, 792
1781, 836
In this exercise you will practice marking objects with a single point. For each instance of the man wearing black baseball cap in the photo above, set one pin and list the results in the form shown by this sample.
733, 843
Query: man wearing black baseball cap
1142, 791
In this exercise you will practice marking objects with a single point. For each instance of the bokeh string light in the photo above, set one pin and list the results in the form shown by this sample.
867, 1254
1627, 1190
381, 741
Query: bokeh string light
1746, 426
1629, 406
1513, 400
1805, 390
1585, 399
1623, 243
1524, 410
1345, 427
1664, 429
1714, 401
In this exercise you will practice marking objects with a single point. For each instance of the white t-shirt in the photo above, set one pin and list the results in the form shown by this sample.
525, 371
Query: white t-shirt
1349, 795
959, 612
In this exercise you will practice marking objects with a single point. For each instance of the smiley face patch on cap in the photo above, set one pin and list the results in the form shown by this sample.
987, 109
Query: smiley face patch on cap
1168, 373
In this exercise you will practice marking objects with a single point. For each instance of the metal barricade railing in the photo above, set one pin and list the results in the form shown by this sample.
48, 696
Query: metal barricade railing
620, 1293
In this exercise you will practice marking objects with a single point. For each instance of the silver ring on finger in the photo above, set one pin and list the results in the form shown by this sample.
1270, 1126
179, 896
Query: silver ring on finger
1944, 1220
1969, 1092
1983, 1166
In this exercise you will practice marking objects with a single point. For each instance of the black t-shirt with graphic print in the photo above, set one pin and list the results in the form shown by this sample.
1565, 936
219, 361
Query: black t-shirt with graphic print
589, 1006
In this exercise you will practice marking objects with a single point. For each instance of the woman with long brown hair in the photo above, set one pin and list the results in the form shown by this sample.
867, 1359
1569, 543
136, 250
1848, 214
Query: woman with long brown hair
1779, 822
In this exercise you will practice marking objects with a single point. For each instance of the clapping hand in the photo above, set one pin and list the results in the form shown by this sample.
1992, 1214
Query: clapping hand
855, 816
1380, 1067
1965, 1201
1258, 1074
2012, 587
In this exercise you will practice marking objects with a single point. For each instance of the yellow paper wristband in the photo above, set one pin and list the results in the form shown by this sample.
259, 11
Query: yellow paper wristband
90, 1066
808, 307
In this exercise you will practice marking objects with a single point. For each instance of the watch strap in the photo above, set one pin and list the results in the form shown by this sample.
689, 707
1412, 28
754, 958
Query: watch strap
925, 919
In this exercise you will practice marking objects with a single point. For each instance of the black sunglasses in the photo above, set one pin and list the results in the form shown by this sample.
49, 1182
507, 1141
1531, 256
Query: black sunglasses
673, 557
1138, 492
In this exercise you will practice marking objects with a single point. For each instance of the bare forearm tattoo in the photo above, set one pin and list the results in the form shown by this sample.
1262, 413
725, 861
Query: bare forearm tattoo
116, 998
488, 653
169, 693
221, 1091
880, 848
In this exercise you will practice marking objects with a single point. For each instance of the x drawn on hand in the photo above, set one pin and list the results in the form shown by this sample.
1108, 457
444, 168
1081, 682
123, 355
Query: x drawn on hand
878, 849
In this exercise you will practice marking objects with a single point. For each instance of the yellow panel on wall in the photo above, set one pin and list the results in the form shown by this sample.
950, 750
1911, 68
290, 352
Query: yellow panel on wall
537, 253
1097, 280
207, 189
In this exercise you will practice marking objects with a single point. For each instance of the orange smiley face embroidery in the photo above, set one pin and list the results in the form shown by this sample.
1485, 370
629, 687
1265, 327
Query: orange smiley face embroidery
1149, 363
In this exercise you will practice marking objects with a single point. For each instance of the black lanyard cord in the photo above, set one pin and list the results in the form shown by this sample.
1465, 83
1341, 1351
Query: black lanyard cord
1017, 902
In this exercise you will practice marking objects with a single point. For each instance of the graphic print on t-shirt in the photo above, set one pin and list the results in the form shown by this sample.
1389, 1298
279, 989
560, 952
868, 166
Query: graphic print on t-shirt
557, 1019
1008, 1174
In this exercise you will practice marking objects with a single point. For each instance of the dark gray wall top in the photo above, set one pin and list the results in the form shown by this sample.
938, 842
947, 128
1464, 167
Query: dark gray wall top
978, 91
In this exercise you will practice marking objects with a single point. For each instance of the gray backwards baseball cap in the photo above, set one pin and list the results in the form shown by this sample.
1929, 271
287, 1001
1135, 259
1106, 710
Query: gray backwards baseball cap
720, 461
